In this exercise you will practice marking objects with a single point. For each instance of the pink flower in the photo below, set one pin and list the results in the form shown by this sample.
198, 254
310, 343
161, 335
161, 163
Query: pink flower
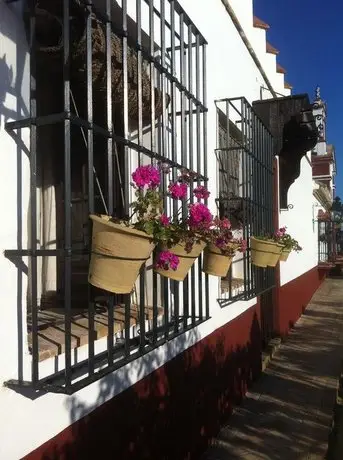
222, 223
164, 220
164, 167
178, 191
146, 176
187, 176
280, 233
201, 192
243, 247
225, 223
221, 243
199, 216
167, 260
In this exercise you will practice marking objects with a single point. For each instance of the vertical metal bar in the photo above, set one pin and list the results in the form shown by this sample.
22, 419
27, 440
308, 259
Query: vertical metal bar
152, 74
89, 79
204, 95
263, 272
110, 169
142, 274
33, 195
164, 281
153, 149
270, 194
198, 147
126, 159
142, 309
183, 123
67, 196
154, 307
125, 105
244, 185
266, 204
272, 281
191, 153
139, 70
256, 215
174, 147
251, 204
227, 153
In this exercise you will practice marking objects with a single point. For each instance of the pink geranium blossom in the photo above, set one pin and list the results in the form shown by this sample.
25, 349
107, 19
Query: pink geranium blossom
167, 260
280, 233
199, 216
243, 246
201, 192
178, 191
146, 176
164, 220
222, 223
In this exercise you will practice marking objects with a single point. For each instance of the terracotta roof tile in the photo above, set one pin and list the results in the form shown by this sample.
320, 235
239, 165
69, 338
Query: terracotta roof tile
270, 49
280, 69
260, 24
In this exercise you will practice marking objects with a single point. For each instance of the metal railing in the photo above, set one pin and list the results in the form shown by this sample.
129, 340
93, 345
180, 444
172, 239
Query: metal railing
109, 90
326, 241
245, 162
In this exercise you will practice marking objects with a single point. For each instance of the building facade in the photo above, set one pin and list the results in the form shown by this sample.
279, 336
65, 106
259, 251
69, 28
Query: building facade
89, 90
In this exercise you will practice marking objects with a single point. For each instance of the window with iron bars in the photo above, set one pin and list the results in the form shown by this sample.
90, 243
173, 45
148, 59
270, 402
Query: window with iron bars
245, 169
113, 86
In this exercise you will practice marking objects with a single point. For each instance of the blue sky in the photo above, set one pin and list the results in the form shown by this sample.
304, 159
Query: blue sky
309, 36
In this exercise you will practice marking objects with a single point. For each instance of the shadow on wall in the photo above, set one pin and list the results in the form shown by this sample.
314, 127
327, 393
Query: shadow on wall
14, 105
172, 413
6, 79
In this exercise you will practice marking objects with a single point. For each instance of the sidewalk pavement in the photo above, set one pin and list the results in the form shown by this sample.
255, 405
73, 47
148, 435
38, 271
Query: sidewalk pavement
288, 415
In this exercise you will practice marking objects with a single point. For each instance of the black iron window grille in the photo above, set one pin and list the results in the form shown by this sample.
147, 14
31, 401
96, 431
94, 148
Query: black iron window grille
326, 241
245, 167
112, 86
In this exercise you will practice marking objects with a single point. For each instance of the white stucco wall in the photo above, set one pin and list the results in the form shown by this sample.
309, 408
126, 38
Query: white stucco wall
231, 72
300, 224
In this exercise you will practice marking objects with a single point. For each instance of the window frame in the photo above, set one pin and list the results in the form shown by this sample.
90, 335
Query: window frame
187, 86
254, 143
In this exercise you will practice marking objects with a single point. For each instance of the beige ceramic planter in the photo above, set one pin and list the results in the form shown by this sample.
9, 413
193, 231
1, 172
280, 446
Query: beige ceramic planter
265, 253
118, 253
285, 254
186, 260
215, 262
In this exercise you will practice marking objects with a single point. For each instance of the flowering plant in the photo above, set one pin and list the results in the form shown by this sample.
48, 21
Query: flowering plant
284, 238
148, 214
221, 236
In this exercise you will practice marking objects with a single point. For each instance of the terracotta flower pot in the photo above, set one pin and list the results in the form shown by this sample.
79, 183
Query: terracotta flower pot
285, 254
265, 253
118, 253
186, 260
215, 262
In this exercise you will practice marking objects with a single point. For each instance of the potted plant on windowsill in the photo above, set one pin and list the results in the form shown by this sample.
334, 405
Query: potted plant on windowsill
289, 243
265, 251
221, 248
187, 238
121, 247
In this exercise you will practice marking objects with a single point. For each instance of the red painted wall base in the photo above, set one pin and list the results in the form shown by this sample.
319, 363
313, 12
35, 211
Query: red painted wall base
173, 412
295, 296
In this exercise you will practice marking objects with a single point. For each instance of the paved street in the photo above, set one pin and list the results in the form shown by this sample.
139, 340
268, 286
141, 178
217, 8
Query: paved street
288, 414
